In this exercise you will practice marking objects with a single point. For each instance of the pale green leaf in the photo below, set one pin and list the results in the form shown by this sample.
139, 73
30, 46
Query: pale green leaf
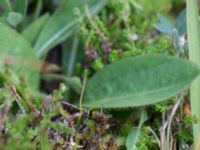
164, 25
139, 81
132, 138
193, 36
14, 18
73, 82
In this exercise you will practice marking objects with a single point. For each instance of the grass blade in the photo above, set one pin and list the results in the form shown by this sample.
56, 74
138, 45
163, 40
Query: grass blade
194, 54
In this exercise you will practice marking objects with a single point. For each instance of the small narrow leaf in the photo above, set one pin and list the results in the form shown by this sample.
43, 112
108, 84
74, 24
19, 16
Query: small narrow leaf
134, 135
164, 26
139, 81
38, 9
70, 55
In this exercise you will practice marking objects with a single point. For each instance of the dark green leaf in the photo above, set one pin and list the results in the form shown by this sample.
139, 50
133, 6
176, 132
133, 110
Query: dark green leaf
139, 81
71, 54
21, 6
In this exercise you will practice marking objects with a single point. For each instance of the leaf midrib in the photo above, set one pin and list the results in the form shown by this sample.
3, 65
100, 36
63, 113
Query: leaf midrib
133, 95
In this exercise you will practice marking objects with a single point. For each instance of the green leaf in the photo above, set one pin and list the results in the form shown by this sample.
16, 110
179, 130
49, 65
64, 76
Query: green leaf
62, 24
6, 5
193, 30
38, 8
18, 51
32, 31
139, 81
3, 20
134, 135
164, 26
181, 22
14, 18
137, 5
71, 55
73, 82
44, 142
21, 6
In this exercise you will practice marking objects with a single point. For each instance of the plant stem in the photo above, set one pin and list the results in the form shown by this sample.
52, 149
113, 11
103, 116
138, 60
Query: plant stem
82, 91
194, 54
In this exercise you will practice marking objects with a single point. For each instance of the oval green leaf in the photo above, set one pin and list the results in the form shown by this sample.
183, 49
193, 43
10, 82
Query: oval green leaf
138, 81
15, 50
